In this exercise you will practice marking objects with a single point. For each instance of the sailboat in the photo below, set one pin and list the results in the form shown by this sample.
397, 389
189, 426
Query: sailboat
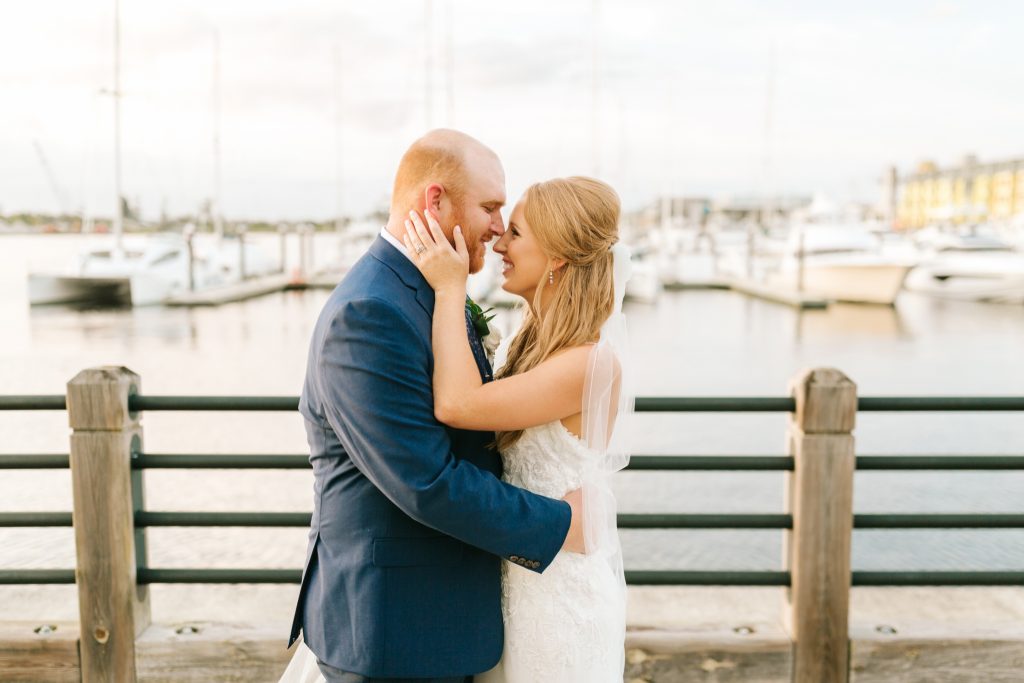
149, 269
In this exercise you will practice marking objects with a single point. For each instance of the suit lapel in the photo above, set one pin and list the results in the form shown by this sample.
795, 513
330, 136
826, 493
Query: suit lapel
412, 278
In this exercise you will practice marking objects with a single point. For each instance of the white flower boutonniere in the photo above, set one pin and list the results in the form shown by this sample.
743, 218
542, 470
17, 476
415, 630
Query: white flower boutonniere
489, 337
490, 342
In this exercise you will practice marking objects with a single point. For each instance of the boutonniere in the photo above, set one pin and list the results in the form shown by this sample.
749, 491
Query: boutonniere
489, 337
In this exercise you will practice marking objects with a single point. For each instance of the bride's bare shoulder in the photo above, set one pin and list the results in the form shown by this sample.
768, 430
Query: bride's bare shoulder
572, 356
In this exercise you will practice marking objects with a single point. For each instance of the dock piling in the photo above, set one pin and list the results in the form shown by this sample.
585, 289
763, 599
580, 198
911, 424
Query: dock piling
817, 549
113, 608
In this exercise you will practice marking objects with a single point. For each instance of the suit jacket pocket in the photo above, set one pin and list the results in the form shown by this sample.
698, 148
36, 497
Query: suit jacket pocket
430, 551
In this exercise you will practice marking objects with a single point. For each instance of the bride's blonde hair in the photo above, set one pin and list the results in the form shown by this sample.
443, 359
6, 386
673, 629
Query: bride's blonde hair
575, 219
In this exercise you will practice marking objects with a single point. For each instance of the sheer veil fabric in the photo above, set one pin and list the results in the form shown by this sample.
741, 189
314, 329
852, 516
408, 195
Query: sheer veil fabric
608, 405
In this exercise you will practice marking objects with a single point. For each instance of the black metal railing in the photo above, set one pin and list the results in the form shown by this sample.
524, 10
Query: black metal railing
147, 518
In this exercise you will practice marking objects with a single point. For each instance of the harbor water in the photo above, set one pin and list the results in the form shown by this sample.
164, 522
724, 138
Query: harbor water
691, 343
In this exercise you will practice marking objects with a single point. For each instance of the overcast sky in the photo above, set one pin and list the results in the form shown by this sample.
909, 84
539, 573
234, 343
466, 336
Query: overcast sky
726, 97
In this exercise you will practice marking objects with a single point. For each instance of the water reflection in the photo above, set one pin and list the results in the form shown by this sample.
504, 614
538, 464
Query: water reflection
127, 325
841, 321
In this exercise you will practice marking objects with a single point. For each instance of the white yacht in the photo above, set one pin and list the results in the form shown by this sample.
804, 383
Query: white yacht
840, 263
644, 283
972, 267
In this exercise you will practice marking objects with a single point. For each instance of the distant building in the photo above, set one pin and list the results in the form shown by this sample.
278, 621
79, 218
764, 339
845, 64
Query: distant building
968, 193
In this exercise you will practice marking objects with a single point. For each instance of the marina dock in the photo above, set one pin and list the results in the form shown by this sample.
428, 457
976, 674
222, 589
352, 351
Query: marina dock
256, 287
239, 291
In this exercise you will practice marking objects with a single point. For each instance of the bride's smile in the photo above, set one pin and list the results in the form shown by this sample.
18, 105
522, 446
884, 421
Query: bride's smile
524, 265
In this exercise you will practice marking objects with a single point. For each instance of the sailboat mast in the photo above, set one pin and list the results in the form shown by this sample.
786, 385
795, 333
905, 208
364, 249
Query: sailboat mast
118, 204
218, 219
449, 65
428, 61
339, 170
595, 88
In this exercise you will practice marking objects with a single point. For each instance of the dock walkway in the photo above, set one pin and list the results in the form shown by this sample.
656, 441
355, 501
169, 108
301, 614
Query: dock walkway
678, 634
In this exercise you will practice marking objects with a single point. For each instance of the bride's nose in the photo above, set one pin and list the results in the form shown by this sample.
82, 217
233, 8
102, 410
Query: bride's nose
499, 246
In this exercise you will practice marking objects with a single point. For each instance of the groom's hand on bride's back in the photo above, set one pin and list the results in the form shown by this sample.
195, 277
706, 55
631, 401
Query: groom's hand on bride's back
574, 540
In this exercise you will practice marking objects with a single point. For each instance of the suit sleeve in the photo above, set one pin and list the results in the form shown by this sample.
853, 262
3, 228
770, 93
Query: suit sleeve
378, 397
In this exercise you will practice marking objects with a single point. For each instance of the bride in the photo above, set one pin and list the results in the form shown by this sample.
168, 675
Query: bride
558, 406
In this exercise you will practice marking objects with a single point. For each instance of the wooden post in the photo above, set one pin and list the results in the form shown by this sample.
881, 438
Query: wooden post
817, 549
113, 608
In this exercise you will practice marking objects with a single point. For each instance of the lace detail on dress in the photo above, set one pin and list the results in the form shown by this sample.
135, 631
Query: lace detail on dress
567, 624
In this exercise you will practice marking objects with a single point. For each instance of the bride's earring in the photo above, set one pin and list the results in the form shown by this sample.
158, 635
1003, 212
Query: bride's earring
551, 277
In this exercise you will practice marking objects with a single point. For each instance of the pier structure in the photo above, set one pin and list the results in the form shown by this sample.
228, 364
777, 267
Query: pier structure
813, 641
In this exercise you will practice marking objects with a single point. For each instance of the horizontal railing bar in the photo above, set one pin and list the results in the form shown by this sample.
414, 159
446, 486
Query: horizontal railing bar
714, 404
204, 403
937, 578
150, 575
153, 461
938, 403
637, 463
22, 577
146, 518
672, 577
704, 521
633, 577
643, 404
710, 462
34, 519
657, 404
940, 462
939, 521
301, 461
39, 461
52, 402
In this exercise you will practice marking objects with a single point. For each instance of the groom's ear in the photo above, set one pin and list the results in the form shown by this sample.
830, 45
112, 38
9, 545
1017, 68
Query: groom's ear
432, 196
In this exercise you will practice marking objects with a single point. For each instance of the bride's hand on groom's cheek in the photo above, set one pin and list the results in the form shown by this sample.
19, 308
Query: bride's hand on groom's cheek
443, 267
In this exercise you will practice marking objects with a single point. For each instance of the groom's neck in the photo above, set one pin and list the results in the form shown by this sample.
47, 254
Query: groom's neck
396, 225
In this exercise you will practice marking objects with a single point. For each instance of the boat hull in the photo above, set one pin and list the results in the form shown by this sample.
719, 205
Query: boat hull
1008, 288
852, 283
57, 289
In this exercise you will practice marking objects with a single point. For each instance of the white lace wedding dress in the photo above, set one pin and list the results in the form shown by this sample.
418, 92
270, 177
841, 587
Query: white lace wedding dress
566, 625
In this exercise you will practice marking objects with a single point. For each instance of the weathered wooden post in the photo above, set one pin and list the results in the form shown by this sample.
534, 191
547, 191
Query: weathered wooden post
113, 609
820, 499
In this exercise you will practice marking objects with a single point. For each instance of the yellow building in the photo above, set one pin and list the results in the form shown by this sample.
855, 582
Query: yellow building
969, 193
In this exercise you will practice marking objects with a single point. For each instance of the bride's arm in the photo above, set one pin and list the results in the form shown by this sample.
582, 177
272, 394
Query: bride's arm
551, 391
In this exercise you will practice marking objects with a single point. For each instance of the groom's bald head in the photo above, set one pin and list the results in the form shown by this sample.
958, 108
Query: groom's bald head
460, 181
444, 157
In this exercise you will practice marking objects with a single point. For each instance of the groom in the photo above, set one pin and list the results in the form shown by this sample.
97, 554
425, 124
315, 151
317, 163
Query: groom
410, 518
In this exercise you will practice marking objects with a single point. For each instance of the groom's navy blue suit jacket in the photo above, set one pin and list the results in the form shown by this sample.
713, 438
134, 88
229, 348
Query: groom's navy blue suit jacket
410, 518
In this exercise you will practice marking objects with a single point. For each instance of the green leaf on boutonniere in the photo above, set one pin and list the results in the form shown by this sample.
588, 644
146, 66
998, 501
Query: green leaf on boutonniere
479, 317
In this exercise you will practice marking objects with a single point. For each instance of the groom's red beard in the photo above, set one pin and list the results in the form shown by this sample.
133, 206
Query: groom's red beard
474, 245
